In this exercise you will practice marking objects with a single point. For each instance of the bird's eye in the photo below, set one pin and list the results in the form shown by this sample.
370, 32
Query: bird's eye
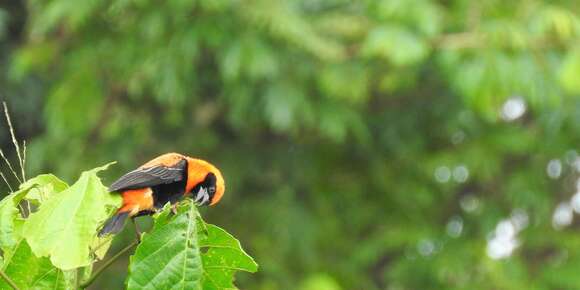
212, 190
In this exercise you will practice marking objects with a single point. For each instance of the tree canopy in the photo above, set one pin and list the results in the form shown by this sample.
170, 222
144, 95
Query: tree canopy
365, 144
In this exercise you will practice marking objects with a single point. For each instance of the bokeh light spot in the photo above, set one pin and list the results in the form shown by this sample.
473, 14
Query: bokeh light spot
426, 247
554, 168
513, 109
469, 203
455, 227
460, 173
563, 216
575, 202
442, 174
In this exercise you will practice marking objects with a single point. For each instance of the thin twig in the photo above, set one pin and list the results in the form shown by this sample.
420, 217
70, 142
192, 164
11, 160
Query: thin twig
8, 280
88, 282
16, 146
27, 202
6, 181
24, 160
9, 165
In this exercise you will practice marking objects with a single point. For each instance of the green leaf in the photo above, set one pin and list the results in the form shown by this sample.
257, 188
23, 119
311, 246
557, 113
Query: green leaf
19, 263
10, 217
79, 91
10, 221
224, 256
86, 272
285, 106
346, 82
396, 44
169, 257
64, 227
45, 180
31, 272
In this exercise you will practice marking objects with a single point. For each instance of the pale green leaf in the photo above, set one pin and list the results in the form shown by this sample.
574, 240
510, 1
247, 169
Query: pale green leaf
85, 273
10, 217
42, 187
101, 245
570, 71
65, 225
10, 221
45, 180
396, 44
19, 263
320, 281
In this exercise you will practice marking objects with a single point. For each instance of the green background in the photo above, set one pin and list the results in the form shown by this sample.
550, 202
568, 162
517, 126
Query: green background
365, 144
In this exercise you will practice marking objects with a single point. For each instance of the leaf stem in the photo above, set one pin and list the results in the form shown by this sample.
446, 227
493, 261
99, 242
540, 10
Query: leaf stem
8, 280
89, 281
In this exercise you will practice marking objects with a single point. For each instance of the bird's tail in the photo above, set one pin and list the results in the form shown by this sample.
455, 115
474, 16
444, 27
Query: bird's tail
115, 223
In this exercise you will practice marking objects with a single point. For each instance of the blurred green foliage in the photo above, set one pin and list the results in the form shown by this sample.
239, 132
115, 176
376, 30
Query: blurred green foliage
365, 144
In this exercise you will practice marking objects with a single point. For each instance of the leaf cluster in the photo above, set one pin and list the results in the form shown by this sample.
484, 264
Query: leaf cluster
54, 244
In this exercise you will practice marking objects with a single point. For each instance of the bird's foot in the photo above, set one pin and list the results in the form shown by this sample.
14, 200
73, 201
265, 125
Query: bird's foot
174, 208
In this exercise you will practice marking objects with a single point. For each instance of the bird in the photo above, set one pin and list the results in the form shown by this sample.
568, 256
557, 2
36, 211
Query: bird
168, 178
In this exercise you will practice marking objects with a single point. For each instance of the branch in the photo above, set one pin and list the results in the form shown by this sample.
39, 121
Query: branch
8, 280
89, 281
480, 40
460, 40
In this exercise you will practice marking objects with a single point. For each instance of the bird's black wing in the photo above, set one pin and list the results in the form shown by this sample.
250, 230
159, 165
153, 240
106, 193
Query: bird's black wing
152, 176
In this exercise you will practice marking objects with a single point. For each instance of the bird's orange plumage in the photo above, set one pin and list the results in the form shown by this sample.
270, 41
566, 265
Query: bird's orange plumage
136, 200
167, 178
197, 169
167, 159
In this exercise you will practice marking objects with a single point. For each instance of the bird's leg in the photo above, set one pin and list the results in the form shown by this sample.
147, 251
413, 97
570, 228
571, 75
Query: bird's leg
174, 209
137, 230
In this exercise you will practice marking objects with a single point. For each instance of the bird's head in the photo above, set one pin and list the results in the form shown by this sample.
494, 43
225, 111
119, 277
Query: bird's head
204, 182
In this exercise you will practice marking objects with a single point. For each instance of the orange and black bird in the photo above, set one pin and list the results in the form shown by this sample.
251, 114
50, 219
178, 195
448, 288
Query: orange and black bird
167, 178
